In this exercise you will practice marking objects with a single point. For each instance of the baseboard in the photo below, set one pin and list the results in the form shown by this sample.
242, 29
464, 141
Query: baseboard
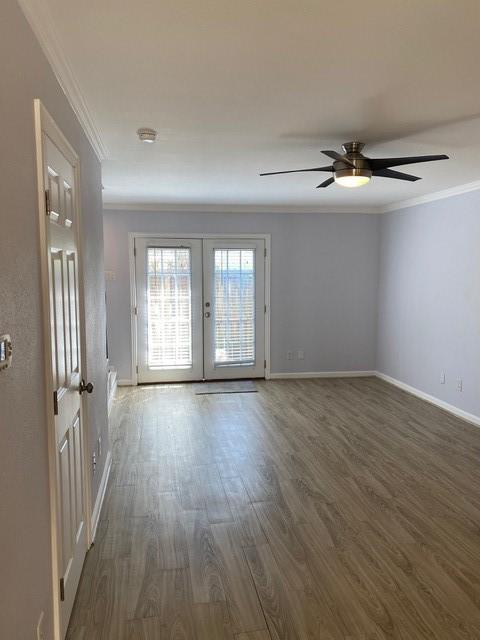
320, 374
101, 495
125, 383
459, 413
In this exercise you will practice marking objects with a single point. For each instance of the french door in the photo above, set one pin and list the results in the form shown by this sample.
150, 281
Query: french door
200, 308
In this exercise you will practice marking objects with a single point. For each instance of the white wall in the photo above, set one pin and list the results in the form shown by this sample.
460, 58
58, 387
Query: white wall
429, 298
323, 285
25, 582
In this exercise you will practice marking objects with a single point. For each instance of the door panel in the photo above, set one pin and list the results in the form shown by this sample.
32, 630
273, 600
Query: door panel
78, 479
234, 308
72, 314
58, 320
59, 178
64, 461
169, 328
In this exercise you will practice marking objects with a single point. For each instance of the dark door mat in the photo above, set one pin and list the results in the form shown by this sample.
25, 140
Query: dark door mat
227, 386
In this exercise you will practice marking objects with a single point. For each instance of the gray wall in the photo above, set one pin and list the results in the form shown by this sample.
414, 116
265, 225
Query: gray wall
323, 285
25, 585
429, 298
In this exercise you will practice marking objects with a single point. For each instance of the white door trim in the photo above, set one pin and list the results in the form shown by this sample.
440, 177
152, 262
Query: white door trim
202, 236
45, 124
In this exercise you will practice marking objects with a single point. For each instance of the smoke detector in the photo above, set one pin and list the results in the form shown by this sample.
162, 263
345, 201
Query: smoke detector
147, 135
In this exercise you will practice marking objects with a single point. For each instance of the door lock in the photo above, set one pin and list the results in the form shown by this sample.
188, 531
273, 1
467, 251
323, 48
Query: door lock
207, 314
88, 387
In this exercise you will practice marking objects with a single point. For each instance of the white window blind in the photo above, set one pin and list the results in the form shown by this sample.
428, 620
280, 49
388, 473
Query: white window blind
234, 306
169, 307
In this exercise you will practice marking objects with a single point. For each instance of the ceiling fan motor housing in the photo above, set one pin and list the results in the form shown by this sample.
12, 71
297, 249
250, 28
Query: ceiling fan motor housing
353, 151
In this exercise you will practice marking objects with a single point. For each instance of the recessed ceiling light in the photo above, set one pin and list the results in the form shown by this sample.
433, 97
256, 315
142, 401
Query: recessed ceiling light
147, 135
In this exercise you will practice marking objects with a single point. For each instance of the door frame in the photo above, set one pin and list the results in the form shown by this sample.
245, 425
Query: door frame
200, 236
44, 123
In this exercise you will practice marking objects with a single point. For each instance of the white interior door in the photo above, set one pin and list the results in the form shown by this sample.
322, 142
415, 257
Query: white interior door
234, 308
169, 309
59, 180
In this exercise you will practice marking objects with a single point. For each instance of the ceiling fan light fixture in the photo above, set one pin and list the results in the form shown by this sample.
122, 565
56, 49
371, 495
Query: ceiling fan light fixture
352, 178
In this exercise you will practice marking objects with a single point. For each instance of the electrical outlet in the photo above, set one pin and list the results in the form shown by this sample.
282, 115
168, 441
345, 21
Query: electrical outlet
459, 384
442, 377
40, 634
289, 355
94, 463
301, 354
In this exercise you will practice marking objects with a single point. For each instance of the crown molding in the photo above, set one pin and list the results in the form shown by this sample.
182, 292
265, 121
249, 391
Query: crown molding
162, 207
38, 16
431, 197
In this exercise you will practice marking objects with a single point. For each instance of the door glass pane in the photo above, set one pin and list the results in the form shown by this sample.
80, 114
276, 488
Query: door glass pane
169, 308
234, 306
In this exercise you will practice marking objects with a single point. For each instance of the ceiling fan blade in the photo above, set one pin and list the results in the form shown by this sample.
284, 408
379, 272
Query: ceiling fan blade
327, 183
337, 156
274, 173
385, 163
398, 175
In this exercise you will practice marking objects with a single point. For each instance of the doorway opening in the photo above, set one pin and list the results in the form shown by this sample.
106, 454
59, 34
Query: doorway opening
200, 307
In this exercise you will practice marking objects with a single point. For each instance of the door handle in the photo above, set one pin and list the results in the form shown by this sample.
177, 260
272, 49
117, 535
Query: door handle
88, 387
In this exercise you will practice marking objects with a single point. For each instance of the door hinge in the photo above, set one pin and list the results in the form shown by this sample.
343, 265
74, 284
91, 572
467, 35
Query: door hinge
62, 589
47, 202
136, 311
265, 309
136, 368
265, 252
55, 403
264, 364
134, 250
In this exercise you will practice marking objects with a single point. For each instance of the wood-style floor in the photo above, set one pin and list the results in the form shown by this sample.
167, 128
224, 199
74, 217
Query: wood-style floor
320, 509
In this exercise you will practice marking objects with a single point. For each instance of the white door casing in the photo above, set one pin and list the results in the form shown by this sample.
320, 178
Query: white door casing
64, 333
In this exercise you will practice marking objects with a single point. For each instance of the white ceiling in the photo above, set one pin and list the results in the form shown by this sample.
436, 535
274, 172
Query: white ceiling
238, 87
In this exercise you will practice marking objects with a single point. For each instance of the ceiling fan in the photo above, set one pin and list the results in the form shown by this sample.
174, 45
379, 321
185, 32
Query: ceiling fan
353, 169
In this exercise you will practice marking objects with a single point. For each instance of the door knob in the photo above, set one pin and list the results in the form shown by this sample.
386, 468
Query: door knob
88, 387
